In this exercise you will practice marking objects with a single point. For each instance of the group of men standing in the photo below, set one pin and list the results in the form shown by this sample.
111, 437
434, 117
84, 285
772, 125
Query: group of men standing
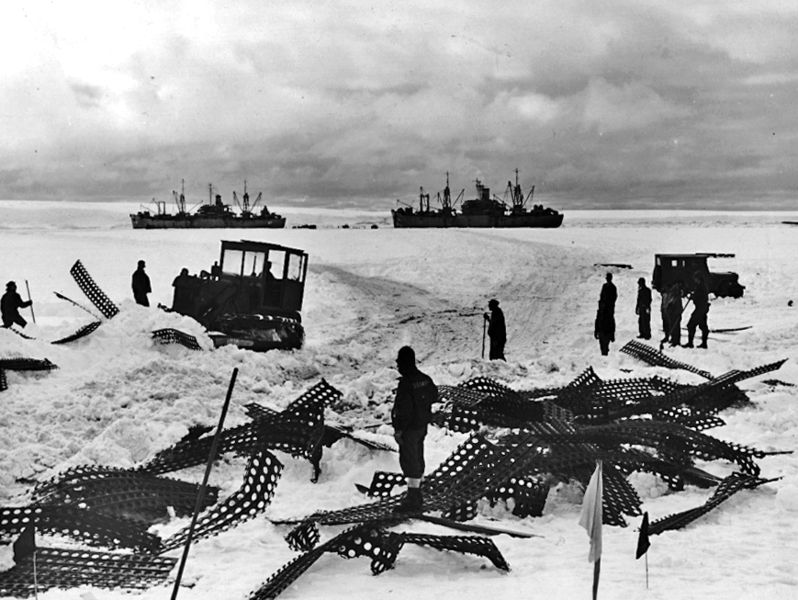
671, 312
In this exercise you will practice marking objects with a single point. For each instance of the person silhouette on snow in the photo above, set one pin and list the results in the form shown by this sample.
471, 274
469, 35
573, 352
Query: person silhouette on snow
497, 330
140, 282
672, 313
604, 328
698, 318
411, 413
10, 304
643, 309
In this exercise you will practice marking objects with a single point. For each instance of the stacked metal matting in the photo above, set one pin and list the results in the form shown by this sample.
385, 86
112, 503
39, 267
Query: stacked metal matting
608, 420
65, 568
298, 430
102, 506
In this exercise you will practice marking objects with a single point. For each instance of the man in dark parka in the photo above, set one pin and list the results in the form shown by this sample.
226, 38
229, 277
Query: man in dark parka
604, 329
411, 413
10, 304
497, 330
643, 309
698, 318
140, 282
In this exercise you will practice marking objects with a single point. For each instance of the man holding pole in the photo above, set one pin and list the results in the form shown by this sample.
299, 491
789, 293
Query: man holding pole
497, 330
10, 304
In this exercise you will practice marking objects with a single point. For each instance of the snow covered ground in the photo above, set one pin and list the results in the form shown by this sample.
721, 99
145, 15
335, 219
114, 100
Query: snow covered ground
118, 398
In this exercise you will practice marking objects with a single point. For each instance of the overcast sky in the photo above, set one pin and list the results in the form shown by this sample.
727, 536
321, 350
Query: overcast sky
597, 103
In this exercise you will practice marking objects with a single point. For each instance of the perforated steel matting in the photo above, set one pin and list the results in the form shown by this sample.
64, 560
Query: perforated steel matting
175, 336
123, 493
260, 480
63, 568
80, 333
381, 546
655, 358
85, 525
298, 430
93, 292
27, 364
725, 490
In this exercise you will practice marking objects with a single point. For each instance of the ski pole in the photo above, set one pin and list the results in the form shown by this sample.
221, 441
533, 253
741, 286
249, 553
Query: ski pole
484, 328
31, 306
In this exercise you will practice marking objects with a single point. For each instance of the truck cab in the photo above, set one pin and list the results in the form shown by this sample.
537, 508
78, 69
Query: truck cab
670, 268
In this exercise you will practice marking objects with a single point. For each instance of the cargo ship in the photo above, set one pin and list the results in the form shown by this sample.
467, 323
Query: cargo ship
213, 215
483, 211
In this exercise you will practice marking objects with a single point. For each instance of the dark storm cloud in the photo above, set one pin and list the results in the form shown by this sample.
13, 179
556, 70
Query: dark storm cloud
595, 103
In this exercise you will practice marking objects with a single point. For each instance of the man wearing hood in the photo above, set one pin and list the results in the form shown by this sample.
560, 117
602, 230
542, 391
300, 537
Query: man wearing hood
10, 304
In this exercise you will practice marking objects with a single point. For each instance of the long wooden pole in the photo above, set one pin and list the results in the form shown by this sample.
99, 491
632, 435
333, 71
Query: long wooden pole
35, 577
201, 491
31, 306
484, 327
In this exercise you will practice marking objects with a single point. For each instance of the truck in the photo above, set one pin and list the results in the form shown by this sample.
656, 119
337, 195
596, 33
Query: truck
669, 268
251, 297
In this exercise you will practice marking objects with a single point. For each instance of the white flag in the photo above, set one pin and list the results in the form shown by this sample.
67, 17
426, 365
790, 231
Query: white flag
591, 512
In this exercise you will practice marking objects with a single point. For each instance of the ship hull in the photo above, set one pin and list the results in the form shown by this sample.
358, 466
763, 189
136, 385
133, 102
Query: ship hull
202, 222
401, 220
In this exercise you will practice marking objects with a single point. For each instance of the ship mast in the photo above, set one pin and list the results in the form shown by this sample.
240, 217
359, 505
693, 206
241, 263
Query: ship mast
518, 195
245, 199
180, 200
447, 194
422, 199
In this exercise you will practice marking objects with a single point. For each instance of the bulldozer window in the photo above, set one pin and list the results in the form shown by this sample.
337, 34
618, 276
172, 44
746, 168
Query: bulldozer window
253, 263
295, 264
231, 262
278, 261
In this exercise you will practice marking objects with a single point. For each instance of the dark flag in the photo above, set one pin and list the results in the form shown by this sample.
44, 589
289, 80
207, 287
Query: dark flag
25, 544
642, 540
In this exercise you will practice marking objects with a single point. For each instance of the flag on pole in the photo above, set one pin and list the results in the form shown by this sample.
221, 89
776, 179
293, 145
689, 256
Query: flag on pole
642, 540
591, 512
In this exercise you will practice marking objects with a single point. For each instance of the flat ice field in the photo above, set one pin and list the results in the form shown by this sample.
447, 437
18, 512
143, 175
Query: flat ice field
118, 398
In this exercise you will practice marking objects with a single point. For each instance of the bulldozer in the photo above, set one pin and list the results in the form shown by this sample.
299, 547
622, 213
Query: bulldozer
251, 297
670, 268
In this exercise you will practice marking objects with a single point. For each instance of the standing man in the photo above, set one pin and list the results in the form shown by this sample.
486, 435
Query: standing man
643, 309
497, 330
141, 285
410, 416
604, 328
672, 313
10, 304
698, 318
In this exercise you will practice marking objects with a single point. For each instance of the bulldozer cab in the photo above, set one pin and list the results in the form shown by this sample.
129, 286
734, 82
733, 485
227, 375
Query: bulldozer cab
250, 278
269, 277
